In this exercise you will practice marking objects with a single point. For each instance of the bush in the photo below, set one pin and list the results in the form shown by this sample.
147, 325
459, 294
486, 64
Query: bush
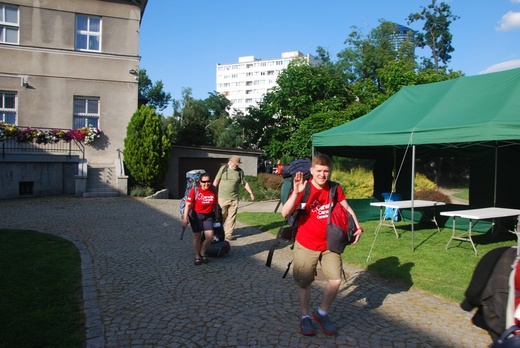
265, 187
141, 191
357, 182
270, 181
432, 195
422, 183
147, 147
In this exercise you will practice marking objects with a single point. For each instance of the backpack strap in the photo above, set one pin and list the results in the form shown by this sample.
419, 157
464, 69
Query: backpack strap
333, 194
221, 171
295, 217
299, 212
225, 170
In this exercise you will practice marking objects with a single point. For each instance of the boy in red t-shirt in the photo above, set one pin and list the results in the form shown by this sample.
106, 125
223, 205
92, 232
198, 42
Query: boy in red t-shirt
201, 212
311, 244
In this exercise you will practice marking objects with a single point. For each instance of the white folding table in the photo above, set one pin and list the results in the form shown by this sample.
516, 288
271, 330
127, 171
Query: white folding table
417, 203
477, 214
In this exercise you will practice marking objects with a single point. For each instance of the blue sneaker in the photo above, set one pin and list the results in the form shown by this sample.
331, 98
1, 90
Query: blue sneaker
325, 323
307, 329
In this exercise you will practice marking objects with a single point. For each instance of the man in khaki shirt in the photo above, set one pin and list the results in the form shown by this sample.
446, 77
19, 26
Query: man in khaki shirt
228, 180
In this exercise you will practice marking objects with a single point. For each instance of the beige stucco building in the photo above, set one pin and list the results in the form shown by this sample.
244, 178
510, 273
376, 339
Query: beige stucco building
68, 64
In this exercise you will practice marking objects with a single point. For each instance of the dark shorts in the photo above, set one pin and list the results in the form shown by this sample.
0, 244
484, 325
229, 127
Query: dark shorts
201, 222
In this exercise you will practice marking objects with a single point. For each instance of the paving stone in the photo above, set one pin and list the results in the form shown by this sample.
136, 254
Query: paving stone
142, 289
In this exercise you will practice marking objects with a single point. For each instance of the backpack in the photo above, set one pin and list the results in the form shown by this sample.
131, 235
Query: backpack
340, 227
300, 165
192, 180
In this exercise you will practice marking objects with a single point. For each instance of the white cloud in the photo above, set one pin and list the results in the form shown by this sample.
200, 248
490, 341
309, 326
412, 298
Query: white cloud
510, 64
517, 1
510, 20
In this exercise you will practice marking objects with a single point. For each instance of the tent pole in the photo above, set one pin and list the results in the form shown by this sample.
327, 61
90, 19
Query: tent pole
495, 183
413, 186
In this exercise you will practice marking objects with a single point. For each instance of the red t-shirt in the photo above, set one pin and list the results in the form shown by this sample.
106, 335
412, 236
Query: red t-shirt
312, 226
204, 202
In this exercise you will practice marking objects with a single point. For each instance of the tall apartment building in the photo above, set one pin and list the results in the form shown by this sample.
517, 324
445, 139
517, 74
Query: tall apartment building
245, 83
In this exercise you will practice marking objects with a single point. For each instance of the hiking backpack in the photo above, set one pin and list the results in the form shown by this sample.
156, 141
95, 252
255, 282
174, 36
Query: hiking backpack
192, 180
300, 165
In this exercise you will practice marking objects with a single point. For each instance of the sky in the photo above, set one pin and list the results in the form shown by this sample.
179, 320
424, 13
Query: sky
182, 41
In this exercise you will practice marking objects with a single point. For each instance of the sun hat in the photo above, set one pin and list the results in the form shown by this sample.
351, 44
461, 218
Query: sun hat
236, 160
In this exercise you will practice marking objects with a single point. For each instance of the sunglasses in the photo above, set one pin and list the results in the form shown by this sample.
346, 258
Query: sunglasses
205, 182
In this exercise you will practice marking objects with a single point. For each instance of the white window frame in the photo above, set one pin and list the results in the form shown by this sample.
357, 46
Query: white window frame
84, 112
9, 26
5, 110
88, 34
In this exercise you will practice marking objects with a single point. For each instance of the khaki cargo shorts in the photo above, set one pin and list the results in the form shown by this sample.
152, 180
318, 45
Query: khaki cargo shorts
306, 260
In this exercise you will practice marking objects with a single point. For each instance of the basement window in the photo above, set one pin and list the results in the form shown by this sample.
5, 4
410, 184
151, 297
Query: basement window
26, 188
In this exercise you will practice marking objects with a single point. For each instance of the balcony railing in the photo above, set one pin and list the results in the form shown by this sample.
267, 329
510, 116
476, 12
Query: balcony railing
73, 147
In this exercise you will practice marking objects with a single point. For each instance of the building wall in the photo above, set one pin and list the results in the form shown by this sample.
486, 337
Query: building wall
245, 83
44, 175
209, 158
55, 72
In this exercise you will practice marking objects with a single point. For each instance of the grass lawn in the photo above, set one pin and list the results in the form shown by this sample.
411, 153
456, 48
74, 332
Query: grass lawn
41, 294
429, 267
462, 194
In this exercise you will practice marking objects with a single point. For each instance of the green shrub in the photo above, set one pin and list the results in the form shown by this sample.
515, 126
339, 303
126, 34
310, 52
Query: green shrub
141, 191
265, 187
147, 147
358, 182
270, 181
422, 183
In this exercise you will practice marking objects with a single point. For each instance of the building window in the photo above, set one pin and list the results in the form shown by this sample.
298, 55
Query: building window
88, 33
8, 107
9, 24
86, 112
26, 188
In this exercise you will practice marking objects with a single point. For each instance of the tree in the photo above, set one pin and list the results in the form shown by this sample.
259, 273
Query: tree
365, 55
302, 90
199, 121
154, 93
147, 147
436, 34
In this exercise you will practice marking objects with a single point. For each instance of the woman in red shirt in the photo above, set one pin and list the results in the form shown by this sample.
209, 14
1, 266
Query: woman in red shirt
201, 208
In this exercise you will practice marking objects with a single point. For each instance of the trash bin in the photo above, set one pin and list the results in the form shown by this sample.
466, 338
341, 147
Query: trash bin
391, 197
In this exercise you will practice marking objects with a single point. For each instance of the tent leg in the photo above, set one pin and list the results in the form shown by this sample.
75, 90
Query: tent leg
413, 188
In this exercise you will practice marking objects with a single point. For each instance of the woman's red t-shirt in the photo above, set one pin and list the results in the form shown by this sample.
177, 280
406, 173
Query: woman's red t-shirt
312, 226
204, 202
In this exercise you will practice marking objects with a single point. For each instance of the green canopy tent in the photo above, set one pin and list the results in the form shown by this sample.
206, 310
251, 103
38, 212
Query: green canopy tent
475, 117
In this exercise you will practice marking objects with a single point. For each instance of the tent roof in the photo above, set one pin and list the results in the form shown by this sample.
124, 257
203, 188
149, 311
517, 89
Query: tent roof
467, 109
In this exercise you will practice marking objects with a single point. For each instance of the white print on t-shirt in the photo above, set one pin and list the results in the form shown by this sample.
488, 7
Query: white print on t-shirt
321, 211
205, 199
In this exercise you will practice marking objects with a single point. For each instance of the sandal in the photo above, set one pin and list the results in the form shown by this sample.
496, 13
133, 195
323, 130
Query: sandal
198, 262
204, 259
